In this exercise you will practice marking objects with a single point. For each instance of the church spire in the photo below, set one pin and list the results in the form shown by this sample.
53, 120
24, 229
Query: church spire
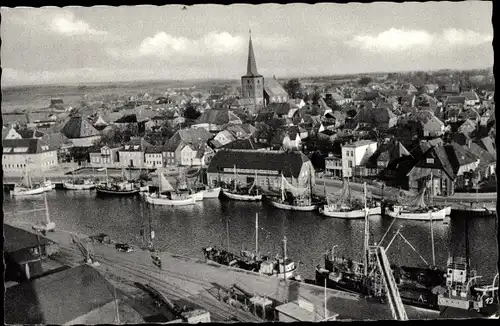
251, 65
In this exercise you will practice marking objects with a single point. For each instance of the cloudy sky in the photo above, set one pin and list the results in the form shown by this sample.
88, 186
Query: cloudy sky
74, 44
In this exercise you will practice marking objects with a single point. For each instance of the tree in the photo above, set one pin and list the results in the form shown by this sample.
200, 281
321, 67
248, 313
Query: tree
294, 88
364, 81
191, 113
315, 97
332, 104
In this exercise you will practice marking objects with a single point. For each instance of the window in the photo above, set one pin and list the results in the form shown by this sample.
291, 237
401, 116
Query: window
430, 160
7, 149
20, 150
349, 164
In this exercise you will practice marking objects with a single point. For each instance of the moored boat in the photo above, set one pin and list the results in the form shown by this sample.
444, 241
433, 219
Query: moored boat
79, 184
211, 192
245, 193
294, 198
416, 210
348, 208
167, 195
242, 197
117, 188
27, 187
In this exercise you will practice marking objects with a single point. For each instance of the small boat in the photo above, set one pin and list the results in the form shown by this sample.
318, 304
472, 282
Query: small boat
242, 193
122, 188
47, 225
79, 184
27, 187
211, 192
417, 210
124, 247
49, 185
189, 191
347, 208
167, 195
299, 199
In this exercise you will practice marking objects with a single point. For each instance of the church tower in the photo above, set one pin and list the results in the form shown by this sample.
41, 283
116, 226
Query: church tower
252, 84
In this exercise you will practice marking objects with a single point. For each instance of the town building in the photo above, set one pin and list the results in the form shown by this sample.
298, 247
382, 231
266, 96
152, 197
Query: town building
216, 120
32, 154
154, 157
106, 156
252, 83
81, 132
183, 137
356, 154
263, 167
333, 166
10, 133
73, 296
132, 154
274, 92
15, 119
24, 252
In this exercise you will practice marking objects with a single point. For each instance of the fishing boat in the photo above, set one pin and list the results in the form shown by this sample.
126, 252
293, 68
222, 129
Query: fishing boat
47, 225
294, 198
208, 192
252, 261
187, 190
79, 184
463, 290
27, 187
117, 188
167, 195
238, 192
415, 284
347, 207
416, 210
476, 209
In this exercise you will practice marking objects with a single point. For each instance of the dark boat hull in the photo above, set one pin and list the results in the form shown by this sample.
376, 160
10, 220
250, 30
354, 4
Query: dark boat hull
412, 296
109, 192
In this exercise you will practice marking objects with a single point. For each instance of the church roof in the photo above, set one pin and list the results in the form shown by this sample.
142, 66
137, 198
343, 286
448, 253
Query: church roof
251, 64
273, 88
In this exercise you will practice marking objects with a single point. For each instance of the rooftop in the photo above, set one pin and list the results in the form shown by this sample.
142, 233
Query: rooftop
359, 143
17, 239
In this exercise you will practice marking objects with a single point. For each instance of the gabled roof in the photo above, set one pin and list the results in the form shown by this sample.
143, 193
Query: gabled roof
18, 239
248, 143
188, 136
218, 117
273, 88
482, 154
488, 144
28, 146
374, 116
390, 151
470, 96
14, 118
455, 100
79, 127
459, 156
58, 298
279, 108
135, 145
30, 133
289, 163
154, 149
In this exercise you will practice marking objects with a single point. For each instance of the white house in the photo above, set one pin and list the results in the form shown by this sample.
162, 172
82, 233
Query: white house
356, 154
292, 143
188, 156
132, 154
333, 166
31, 153
10, 133
105, 157
154, 157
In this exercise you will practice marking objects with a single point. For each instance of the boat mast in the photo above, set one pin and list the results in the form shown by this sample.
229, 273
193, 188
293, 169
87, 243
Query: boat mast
256, 233
282, 188
367, 234
47, 217
227, 232
284, 257
235, 178
106, 169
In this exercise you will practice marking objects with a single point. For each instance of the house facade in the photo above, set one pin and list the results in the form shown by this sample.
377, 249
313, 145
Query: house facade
154, 157
333, 166
105, 157
356, 154
32, 154
265, 168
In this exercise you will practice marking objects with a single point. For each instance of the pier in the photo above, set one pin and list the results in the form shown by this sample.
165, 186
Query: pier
189, 279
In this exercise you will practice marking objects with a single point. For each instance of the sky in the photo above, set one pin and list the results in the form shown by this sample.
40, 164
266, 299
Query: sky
51, 45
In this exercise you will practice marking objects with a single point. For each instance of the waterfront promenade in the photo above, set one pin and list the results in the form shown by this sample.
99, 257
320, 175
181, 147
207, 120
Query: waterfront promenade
189, 278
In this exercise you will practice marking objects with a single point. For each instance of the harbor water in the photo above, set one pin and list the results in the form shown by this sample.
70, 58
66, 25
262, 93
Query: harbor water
185, 230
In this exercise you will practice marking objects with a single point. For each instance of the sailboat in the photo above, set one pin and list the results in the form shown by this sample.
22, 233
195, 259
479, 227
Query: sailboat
301, 198
208, 192
243, 193
119, 188
47, 225
167, 195
27, 187
192, 192
252, 261
462, 289
417, 210
345, 207
415, 284
79, 184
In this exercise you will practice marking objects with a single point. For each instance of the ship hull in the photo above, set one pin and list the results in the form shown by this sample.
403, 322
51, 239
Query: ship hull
408, 215
211, 193
359, 213
197, 196
241, 197
110, 192
169, 202
29, 192
307, 208
72, 186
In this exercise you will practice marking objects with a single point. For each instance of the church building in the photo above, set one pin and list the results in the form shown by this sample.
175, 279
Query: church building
257, 92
